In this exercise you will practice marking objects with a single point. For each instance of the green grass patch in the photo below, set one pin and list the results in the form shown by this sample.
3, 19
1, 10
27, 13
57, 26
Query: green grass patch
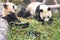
48, 32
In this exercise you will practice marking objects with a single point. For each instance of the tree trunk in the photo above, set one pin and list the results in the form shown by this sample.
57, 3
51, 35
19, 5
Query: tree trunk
8, 0
50, 2
32, 0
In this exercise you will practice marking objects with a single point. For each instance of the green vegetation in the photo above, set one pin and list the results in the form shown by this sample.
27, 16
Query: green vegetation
48, 32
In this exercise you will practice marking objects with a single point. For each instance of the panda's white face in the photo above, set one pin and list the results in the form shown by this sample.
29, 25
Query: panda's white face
10, 7
45, 12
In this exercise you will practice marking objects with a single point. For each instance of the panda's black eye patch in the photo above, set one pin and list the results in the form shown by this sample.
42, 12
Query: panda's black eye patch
49, 9
13, 7
41, 10
5, 6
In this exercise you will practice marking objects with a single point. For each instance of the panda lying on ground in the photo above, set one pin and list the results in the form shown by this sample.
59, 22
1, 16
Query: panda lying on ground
36, 9
9, 14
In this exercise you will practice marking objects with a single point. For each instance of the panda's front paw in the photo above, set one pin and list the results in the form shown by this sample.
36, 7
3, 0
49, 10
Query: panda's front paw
49, 22
43, 23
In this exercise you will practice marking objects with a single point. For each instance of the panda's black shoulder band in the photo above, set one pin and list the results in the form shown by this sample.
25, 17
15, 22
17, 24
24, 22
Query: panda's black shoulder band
37, 9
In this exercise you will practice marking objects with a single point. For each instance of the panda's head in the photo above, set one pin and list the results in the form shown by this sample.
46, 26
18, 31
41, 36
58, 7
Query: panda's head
45, 12
9, 7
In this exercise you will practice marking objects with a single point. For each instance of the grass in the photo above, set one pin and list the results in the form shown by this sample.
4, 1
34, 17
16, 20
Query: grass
48, 32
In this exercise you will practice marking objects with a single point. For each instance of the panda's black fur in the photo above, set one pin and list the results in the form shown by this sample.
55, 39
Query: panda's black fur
23, 13
11, 17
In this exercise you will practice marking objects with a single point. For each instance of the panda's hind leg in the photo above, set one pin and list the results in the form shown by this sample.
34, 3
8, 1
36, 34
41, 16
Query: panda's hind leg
21, 12
43, 22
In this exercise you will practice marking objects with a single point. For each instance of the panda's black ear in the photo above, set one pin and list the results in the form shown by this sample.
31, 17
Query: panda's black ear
5, 6
49, 9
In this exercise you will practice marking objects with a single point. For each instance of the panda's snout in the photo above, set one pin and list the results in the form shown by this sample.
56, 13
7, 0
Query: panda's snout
46, 19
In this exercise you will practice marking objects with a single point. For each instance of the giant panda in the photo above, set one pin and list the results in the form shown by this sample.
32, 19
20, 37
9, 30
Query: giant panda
41, 11
9, 14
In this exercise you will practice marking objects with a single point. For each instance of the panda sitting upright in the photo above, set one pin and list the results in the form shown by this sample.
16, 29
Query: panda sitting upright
41, 12
9, 13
